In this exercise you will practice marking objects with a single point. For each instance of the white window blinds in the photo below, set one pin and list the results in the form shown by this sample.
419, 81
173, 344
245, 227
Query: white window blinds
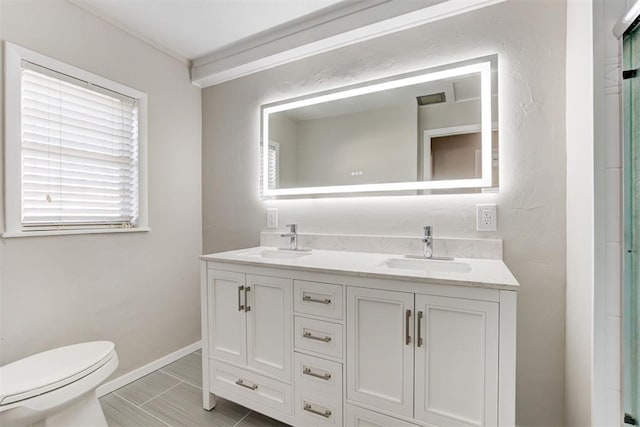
79, 153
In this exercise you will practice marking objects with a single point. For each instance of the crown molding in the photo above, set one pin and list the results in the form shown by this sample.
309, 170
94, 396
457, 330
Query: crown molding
338, 28
330, 15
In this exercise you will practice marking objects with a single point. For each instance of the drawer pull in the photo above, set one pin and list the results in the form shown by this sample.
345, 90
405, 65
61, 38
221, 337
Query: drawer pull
406, 326
313, 337
250, 387
326, 376
323, 413
319, 301
240, 306
247, 289
420, 341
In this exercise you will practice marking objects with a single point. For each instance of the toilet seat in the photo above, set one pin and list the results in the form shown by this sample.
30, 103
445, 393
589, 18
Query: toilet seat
53, 369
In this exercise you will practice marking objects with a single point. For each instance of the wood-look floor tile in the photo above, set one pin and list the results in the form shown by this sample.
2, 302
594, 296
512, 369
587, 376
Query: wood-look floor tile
120, 413
254, 419
188, 369
182, 406
147, 387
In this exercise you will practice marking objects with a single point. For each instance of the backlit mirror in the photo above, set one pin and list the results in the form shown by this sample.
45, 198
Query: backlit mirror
433, 131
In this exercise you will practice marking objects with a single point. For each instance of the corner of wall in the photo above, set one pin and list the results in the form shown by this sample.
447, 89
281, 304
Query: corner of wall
580, 214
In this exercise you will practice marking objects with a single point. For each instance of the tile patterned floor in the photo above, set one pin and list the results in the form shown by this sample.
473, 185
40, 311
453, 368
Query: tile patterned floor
172, 396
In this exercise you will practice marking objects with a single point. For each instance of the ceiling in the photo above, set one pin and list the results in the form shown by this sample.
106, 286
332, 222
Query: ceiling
220, 40
190, 29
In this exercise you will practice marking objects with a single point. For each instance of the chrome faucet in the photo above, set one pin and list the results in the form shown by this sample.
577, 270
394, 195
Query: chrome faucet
427, 250
293, 234
428, 242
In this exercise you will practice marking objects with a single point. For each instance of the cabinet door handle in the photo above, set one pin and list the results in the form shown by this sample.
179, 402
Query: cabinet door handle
326, 376
313, 337
247, 289
323, 413
407, 322
420, 342
250, 387
240, 306
319, 301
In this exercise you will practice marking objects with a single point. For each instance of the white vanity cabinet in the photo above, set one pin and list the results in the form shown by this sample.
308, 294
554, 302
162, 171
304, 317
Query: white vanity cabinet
319, 353
456, 361
431, 358
379, 349
250, 321
314, 347
247, 320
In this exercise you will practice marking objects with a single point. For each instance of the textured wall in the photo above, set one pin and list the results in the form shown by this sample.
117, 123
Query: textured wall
140, 290
529, 37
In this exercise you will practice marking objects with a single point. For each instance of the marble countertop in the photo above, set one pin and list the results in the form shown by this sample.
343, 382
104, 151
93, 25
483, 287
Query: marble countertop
487, 273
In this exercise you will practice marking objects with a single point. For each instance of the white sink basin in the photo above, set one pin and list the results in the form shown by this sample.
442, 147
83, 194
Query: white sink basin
427, 265
276, 254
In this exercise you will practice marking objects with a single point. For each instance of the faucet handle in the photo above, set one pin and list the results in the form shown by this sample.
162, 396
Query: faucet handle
293, 227
428, 231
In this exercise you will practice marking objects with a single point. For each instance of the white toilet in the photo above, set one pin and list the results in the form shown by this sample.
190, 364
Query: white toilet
57, 387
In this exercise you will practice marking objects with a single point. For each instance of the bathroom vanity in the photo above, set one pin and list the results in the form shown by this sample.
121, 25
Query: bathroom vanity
333, 338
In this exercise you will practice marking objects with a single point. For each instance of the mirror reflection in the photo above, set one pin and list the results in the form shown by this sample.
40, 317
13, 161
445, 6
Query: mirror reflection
430, 132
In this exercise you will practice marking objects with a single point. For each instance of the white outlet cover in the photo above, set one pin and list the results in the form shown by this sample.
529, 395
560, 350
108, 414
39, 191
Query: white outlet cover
272, 217
486, 218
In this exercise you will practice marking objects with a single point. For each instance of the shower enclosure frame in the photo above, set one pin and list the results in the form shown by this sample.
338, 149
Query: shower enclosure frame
628, 29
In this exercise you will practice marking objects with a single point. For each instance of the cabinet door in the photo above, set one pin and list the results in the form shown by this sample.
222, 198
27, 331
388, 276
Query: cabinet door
227, 319
456, 361
380, 349
269, 319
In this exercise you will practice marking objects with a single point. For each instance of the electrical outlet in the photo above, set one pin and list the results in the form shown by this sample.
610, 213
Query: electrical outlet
486, 218
272, 217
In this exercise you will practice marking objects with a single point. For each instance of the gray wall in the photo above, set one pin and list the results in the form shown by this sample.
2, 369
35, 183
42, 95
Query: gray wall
140, 290
529, 37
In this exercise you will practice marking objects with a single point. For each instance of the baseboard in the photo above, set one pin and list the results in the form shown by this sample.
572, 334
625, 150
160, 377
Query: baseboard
136, 374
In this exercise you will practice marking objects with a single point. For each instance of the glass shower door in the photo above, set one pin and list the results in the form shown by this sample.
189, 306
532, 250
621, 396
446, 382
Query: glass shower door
631, 196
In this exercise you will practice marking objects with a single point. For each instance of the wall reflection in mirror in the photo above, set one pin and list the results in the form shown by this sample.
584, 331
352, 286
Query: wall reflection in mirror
435, 131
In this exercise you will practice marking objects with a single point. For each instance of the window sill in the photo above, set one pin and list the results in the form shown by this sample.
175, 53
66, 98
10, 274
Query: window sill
12, 234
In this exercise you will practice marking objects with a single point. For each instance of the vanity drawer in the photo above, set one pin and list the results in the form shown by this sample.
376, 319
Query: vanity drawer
317, 375
318, 336
252, 386
319, 299
359, 417
317, 410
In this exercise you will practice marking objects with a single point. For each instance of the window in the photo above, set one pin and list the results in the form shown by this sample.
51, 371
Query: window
78, 142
